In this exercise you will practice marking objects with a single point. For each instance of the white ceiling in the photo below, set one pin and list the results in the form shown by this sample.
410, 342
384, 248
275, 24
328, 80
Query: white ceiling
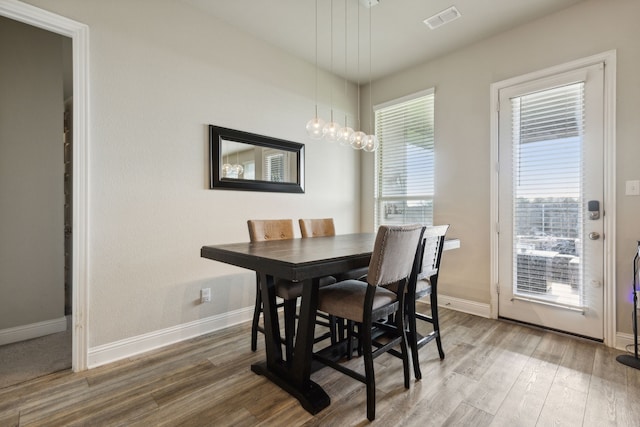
399, 37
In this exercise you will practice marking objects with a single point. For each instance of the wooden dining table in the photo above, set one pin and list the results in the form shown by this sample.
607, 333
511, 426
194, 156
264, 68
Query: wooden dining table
305, 260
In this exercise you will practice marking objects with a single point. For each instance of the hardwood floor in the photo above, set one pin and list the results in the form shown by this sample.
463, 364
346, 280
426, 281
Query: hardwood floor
495, 374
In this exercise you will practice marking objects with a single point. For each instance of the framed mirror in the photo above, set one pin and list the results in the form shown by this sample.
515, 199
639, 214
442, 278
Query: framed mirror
250, 162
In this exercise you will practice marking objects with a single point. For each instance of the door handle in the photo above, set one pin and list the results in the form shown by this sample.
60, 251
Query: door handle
594, 235
593, 206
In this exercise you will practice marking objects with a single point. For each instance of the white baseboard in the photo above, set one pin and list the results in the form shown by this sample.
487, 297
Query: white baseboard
119, 350
465, 306
33, 330
624, 340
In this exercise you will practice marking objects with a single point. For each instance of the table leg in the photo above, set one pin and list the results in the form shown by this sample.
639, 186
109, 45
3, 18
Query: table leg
273, 343
295, 378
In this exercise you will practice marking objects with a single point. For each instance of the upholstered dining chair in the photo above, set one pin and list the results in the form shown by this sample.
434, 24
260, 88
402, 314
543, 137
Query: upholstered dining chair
262, 230
392, 261
321, 227
278, 229
317, 227
425, 282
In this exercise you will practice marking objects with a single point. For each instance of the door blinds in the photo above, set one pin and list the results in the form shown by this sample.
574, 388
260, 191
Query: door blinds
548, 162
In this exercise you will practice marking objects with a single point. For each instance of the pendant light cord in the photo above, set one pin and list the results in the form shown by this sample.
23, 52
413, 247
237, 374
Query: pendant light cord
316, 76
331, 50
370, 91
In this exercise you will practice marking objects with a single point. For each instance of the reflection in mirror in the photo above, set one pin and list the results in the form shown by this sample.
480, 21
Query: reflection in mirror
246, 161
250, 162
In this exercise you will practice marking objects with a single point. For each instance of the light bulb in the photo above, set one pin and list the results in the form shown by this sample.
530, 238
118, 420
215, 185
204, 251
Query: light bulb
344, 135
315, 127
238, 170
226, 170
370, 143
357, 140
331, 131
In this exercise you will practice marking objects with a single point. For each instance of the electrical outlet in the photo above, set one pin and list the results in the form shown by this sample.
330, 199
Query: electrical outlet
205, 295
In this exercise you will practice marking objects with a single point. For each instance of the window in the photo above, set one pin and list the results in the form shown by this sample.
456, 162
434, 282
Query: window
405, 160
547, 182
274, 166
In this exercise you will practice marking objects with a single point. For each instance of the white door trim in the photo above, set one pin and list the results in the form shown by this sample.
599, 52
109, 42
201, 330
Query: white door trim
609, 59
79, 33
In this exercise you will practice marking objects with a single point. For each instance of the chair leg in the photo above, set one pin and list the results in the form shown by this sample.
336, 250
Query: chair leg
365, 339
413, 336
340, 331
289, 327
349, 339
436, 323
333, 329
256, 318
400, 326
359, 326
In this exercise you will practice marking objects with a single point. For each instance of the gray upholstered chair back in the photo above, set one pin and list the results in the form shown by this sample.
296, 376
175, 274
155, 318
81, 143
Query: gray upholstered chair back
393, 253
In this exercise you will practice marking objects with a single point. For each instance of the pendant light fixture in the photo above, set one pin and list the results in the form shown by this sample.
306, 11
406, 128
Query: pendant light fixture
331, 129
345, 132
371, 140
316, 124
357, 139
232, 170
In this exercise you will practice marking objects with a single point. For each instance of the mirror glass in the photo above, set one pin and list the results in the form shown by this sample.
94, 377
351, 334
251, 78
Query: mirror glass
245, 161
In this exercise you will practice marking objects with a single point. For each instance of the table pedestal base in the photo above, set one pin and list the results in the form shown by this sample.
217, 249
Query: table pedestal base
312, 397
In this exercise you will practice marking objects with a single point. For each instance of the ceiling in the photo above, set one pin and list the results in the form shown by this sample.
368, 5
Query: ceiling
399, 38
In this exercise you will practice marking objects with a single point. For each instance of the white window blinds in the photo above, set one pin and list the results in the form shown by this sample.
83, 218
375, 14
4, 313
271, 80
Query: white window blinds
547, 141
405, 161
274, 166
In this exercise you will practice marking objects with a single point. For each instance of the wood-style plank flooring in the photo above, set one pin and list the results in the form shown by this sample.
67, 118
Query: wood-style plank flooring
495, 374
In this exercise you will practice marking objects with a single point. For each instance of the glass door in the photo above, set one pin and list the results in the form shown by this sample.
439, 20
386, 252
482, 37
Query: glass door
550, 202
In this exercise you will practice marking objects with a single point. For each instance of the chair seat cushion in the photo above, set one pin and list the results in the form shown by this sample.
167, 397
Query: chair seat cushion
423, 287
288, 290
356, 273
346, 299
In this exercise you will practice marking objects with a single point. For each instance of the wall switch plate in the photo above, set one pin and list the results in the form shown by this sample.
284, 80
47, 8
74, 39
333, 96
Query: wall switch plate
205, 295
632, 188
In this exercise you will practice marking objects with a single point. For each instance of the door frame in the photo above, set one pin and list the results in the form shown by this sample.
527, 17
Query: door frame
79, 34
609, 135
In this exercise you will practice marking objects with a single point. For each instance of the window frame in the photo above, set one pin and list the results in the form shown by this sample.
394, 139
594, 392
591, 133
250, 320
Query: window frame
428, 196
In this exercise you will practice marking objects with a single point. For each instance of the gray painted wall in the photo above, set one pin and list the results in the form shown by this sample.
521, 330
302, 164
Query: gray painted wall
31, 176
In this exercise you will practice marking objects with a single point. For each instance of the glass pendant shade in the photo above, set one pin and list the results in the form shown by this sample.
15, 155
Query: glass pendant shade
344, 135
370, 143
331, 131
357, 140
232, 171
315, 128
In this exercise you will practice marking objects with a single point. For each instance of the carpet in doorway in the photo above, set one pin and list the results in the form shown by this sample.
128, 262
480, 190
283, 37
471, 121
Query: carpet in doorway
26, 360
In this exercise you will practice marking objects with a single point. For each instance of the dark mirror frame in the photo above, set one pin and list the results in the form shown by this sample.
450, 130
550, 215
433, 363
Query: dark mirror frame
217, 134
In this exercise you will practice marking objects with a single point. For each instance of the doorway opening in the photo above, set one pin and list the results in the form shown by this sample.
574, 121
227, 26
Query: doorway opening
79, 35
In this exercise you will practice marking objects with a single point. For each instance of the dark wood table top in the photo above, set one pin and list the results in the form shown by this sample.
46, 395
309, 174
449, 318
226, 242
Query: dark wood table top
297, 259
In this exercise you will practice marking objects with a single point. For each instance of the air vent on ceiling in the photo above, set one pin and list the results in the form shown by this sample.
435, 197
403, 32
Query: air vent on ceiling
444, 17
369, 3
